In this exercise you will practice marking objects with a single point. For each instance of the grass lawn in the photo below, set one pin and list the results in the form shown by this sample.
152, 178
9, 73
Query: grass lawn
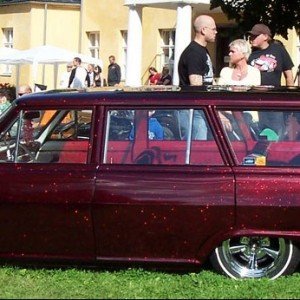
17, 282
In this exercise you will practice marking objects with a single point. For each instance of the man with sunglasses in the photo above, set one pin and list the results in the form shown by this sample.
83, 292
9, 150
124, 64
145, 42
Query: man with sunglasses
195, 66
195, 69
272, 59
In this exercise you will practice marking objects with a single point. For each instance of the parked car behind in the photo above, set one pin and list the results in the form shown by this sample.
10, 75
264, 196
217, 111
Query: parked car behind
75, 186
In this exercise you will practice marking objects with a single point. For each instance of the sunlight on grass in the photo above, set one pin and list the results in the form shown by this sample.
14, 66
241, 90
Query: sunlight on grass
138, 283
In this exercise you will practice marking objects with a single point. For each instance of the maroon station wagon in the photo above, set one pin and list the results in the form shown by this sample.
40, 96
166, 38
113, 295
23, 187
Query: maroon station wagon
172, 177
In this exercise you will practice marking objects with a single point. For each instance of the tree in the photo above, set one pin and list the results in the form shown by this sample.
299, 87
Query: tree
279, 15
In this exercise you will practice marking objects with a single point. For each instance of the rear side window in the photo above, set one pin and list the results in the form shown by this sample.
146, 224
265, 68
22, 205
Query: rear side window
264, 137
47, 136
161, 137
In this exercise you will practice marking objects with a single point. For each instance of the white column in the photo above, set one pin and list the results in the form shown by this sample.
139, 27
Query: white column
134, 47
183, 35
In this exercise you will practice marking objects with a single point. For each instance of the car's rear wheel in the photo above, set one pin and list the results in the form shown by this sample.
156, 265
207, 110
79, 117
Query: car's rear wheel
255, 257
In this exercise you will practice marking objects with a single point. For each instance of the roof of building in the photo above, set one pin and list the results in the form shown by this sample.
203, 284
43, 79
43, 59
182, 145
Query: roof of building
43, 1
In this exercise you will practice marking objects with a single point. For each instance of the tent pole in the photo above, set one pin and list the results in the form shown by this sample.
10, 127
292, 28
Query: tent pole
55, 75
17, 79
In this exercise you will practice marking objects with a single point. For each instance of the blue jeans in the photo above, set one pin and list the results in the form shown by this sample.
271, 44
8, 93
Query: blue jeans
199, 128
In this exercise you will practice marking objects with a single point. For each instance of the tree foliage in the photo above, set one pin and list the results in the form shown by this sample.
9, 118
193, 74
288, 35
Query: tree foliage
279, 15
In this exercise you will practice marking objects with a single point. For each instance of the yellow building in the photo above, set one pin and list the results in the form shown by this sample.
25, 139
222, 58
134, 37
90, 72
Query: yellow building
140, 33
28, 24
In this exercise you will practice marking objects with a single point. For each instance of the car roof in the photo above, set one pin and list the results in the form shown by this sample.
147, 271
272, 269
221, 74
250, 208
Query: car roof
154, 95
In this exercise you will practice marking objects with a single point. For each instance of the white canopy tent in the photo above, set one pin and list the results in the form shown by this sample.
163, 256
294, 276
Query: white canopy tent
6, 52
11, 56
43, 55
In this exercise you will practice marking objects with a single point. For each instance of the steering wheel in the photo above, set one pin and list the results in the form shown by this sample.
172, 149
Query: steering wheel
24, 154
27, 153
63, 130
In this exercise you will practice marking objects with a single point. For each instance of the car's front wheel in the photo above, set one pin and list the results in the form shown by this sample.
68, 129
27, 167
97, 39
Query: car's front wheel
255, 257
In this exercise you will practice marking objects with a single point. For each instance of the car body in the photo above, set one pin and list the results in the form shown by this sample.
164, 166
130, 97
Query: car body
76, 187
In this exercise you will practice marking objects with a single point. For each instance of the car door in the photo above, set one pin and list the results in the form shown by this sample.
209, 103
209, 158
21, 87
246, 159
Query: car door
159, 199
45, 203
267, 168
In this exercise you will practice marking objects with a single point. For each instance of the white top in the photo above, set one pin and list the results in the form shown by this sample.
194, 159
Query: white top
80, 78
253, 77
64, 80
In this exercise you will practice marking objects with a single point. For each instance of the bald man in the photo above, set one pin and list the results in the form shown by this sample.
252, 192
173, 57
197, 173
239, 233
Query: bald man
195, 67
24, 89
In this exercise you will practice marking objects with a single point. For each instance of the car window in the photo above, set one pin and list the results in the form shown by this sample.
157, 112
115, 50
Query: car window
47, 136
159, 136
268, 137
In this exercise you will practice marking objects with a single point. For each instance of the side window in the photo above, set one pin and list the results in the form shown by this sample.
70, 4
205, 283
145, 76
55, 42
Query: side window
76, 125
268, 137
47, 137
159, 136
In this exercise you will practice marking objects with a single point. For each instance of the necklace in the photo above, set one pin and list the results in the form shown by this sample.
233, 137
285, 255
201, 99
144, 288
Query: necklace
239, 74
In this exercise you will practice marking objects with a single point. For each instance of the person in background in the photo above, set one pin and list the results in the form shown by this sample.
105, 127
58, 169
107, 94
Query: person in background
79, 78
7, 94
153, 77
114, 72
165, 78
65, 77
155, 130
98, 76
271, 59
239, 72
91, 74
195, 66
24, 89
195, 69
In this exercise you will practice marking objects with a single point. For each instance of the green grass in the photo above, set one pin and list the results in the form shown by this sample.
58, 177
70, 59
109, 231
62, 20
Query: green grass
16, 282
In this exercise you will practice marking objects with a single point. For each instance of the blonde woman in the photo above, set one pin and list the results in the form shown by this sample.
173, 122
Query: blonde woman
239, 72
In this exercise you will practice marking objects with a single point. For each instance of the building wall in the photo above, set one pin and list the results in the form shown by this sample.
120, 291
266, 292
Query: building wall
63, 30
29, 29
108, 21
164, 20
18, 18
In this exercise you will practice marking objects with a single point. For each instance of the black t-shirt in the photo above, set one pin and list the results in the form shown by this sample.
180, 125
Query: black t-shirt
114, 74
271, 62
195, 59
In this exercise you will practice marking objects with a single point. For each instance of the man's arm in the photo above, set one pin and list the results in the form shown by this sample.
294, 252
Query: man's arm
289, 79
195, 79
72, 77
88, 80
119, 73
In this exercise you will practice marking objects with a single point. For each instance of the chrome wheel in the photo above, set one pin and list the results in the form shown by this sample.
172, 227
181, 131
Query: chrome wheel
255, 257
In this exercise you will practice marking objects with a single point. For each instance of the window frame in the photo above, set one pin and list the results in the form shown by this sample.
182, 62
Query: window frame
94, 43
8, 42
191, 148
169, 35
264, 149
44, 136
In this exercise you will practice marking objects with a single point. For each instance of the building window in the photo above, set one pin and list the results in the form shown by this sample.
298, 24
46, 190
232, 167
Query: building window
124, 34
8, 39
94, 43
167, 48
